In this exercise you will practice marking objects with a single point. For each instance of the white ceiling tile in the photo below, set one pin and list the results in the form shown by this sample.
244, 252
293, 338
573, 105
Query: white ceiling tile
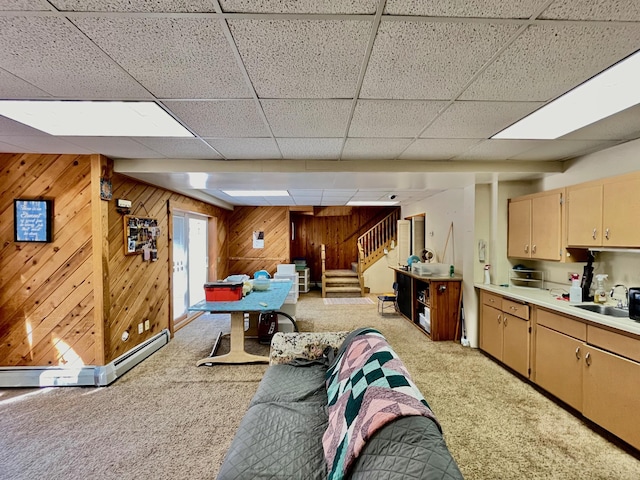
48, 144
301, 6
11, 148
310, 148
437, 148
24, 5
245, 148
338, 193
624, 10
397, 118
114, 147
497, 149
537, 67
561, 149
460, 120
472, 8
302, 58
14, 87
307, 118
10, 127
224, 118
172, 57
134, 6
624, 125
180, 147
61, 61
401, 65
373, 148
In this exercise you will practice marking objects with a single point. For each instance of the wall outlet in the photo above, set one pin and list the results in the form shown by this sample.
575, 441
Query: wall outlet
140, 327
147, 325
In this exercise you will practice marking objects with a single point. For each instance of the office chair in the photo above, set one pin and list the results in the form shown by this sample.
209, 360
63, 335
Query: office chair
388, 300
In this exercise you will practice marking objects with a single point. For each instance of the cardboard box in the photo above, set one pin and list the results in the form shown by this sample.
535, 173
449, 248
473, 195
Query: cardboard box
222, 291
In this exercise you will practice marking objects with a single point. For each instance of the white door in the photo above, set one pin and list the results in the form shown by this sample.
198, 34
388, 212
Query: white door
190, 261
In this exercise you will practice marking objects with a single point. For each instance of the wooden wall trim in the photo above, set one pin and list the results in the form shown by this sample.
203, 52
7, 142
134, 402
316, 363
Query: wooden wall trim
100, 245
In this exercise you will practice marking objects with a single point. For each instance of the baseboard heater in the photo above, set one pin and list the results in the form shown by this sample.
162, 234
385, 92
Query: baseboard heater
83, 376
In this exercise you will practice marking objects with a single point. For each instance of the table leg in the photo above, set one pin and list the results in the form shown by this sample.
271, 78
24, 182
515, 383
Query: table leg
236, 353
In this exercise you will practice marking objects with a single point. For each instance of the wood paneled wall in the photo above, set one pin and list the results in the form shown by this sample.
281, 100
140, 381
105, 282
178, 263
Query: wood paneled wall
68, 302
46, 289
338, 228
274, 222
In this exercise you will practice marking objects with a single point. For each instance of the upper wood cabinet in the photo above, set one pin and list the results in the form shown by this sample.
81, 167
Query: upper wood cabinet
535, 226
601, 213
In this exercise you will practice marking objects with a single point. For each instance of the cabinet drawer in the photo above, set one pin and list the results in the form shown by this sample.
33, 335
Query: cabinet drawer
614, 342
562, 324
515, 308
492, 300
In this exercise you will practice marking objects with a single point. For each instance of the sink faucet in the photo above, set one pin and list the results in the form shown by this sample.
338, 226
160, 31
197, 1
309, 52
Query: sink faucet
621, 304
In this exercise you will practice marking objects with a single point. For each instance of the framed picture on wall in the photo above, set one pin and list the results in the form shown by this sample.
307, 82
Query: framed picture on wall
33, 220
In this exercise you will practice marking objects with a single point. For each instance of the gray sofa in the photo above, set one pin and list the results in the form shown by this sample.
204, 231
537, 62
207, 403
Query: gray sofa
281, 434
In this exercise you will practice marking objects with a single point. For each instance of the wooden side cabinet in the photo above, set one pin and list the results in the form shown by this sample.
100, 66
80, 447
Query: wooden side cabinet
441, 295
505, 331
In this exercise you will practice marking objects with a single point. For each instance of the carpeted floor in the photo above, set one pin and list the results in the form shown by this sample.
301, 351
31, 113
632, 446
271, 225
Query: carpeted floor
348, 301
168, 419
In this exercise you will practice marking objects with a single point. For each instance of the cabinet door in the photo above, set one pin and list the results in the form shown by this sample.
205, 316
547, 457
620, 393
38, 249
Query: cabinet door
491, 331
515, 350
546, 227
612, 394
584, 215
519, 235
621, 204
559, 365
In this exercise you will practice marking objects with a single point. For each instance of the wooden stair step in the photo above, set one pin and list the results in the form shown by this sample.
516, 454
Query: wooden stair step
340, 273
342, 280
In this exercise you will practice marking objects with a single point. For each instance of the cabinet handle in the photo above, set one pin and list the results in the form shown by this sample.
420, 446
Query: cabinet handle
587, 359
578, 353
533, 249
606, 234
499, 319
526, 248
492, 300
505, 321
593, 235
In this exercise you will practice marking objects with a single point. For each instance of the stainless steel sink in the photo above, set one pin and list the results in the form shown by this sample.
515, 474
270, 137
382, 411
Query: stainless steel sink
605, 310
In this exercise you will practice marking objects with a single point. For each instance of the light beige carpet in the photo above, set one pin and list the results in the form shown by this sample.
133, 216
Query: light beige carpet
168, 419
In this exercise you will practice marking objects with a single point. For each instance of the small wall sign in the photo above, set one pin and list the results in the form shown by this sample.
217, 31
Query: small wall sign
33, 220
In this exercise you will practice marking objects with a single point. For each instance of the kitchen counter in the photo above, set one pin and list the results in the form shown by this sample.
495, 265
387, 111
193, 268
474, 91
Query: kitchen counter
544, 299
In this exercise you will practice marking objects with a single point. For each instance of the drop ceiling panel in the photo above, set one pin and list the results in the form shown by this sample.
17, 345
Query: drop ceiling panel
498, 149
172, 57
25, 5
374, 148
562, 149
135, 6
301, 6
474, 8
536, 67
61, 61
401, 67
224, 118
114, 147
14, 87
310, 148
307, 118
622, 126
623, 10
385, 118
180, 147
437, 148
10, 127
460, 120
245, 148
47, 144
302, 58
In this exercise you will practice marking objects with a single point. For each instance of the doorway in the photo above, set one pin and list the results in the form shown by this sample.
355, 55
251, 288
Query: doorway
190, 260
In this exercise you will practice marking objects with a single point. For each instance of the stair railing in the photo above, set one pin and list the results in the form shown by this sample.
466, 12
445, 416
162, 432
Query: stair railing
372, 243
323, 257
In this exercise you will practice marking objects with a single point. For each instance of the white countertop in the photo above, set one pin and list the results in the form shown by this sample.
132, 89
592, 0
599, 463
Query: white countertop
543, 298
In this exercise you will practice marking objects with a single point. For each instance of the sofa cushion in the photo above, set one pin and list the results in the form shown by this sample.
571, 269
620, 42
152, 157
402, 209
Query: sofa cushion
286, 383
286, 347
278, 441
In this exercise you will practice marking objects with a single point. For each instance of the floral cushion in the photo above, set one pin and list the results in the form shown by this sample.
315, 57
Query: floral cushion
286, 347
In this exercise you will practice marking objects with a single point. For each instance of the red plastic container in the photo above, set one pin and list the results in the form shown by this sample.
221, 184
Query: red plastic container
222, 291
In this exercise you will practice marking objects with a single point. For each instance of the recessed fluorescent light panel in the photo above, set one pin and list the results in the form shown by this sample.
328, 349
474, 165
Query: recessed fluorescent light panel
609, 92
94, 119
371, 203
256, 193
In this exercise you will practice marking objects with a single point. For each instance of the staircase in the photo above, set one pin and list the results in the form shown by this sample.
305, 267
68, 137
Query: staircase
371, 247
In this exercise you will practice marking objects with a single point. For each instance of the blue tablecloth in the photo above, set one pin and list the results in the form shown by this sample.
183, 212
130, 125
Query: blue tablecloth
256, 301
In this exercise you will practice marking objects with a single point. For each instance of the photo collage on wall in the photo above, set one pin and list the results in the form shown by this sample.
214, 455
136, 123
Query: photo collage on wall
141, 236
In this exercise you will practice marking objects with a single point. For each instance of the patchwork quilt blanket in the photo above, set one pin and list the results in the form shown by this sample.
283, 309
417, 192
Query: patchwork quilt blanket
368, 386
